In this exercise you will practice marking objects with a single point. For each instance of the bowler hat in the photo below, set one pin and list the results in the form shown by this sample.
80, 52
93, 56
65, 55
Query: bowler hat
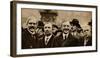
75, 22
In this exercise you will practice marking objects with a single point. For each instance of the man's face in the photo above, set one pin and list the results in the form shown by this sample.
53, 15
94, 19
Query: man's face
48, 29
66, 27
32, 25
73, 27
54, 29
87, 31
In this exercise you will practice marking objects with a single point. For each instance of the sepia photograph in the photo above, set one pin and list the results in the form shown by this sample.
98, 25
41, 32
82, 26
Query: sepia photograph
49, 28
55, 28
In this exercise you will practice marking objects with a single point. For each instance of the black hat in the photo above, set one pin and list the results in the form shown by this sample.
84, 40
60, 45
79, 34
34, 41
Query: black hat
40, 24
90, 23
75, 22
78, 25
55, 26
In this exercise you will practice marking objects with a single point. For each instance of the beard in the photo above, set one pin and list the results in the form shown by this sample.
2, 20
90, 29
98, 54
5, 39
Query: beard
32, 29
47, 33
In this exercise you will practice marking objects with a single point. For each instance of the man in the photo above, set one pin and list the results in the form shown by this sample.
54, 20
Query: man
75, 27
40, 27
46, 41
54, 29
77, 31
65, 39
88, 35
29, 36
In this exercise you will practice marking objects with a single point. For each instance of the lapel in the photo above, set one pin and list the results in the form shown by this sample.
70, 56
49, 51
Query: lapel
29, 36
68, 37
43, 41
50, 42
61, 36
67, 40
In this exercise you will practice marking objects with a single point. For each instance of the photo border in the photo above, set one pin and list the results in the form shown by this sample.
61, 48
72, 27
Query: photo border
13, 32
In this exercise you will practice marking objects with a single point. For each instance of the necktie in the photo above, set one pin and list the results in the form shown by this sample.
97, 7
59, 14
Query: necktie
65, 36
46, 42
64, 41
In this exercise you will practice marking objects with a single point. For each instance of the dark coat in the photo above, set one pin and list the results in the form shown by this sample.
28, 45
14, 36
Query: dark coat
70, 41
42, 42
89, 42
29, 40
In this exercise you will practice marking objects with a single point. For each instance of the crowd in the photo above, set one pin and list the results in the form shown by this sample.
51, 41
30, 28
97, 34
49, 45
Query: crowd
47, 35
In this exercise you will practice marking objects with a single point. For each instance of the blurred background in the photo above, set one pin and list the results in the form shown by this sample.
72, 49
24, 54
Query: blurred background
56, 16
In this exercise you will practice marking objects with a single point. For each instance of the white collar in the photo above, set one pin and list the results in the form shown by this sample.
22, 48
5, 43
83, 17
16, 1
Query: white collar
64, 35
47, 39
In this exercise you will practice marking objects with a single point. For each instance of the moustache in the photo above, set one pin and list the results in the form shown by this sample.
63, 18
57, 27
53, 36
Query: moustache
66, 29
31, 27
46, 31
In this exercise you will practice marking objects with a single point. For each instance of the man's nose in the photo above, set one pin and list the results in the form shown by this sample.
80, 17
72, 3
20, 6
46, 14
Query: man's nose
71, 27
66, 27
32, 24
47, 29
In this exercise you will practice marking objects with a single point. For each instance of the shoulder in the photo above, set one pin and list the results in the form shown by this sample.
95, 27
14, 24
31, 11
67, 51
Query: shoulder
72, 37
24, 30
58, 37
41, 37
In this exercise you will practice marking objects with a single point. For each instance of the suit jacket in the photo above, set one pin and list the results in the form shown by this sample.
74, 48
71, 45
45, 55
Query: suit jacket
82, 41
70, 41
29, 40
42, 42
89, 43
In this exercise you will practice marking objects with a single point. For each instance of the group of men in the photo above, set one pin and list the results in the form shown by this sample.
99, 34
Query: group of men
49, 35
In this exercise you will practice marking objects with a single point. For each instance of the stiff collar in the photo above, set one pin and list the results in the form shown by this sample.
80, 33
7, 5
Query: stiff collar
65, 35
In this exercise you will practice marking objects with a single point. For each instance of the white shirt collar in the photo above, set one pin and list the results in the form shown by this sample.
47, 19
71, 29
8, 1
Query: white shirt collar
48, 38
64, 35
